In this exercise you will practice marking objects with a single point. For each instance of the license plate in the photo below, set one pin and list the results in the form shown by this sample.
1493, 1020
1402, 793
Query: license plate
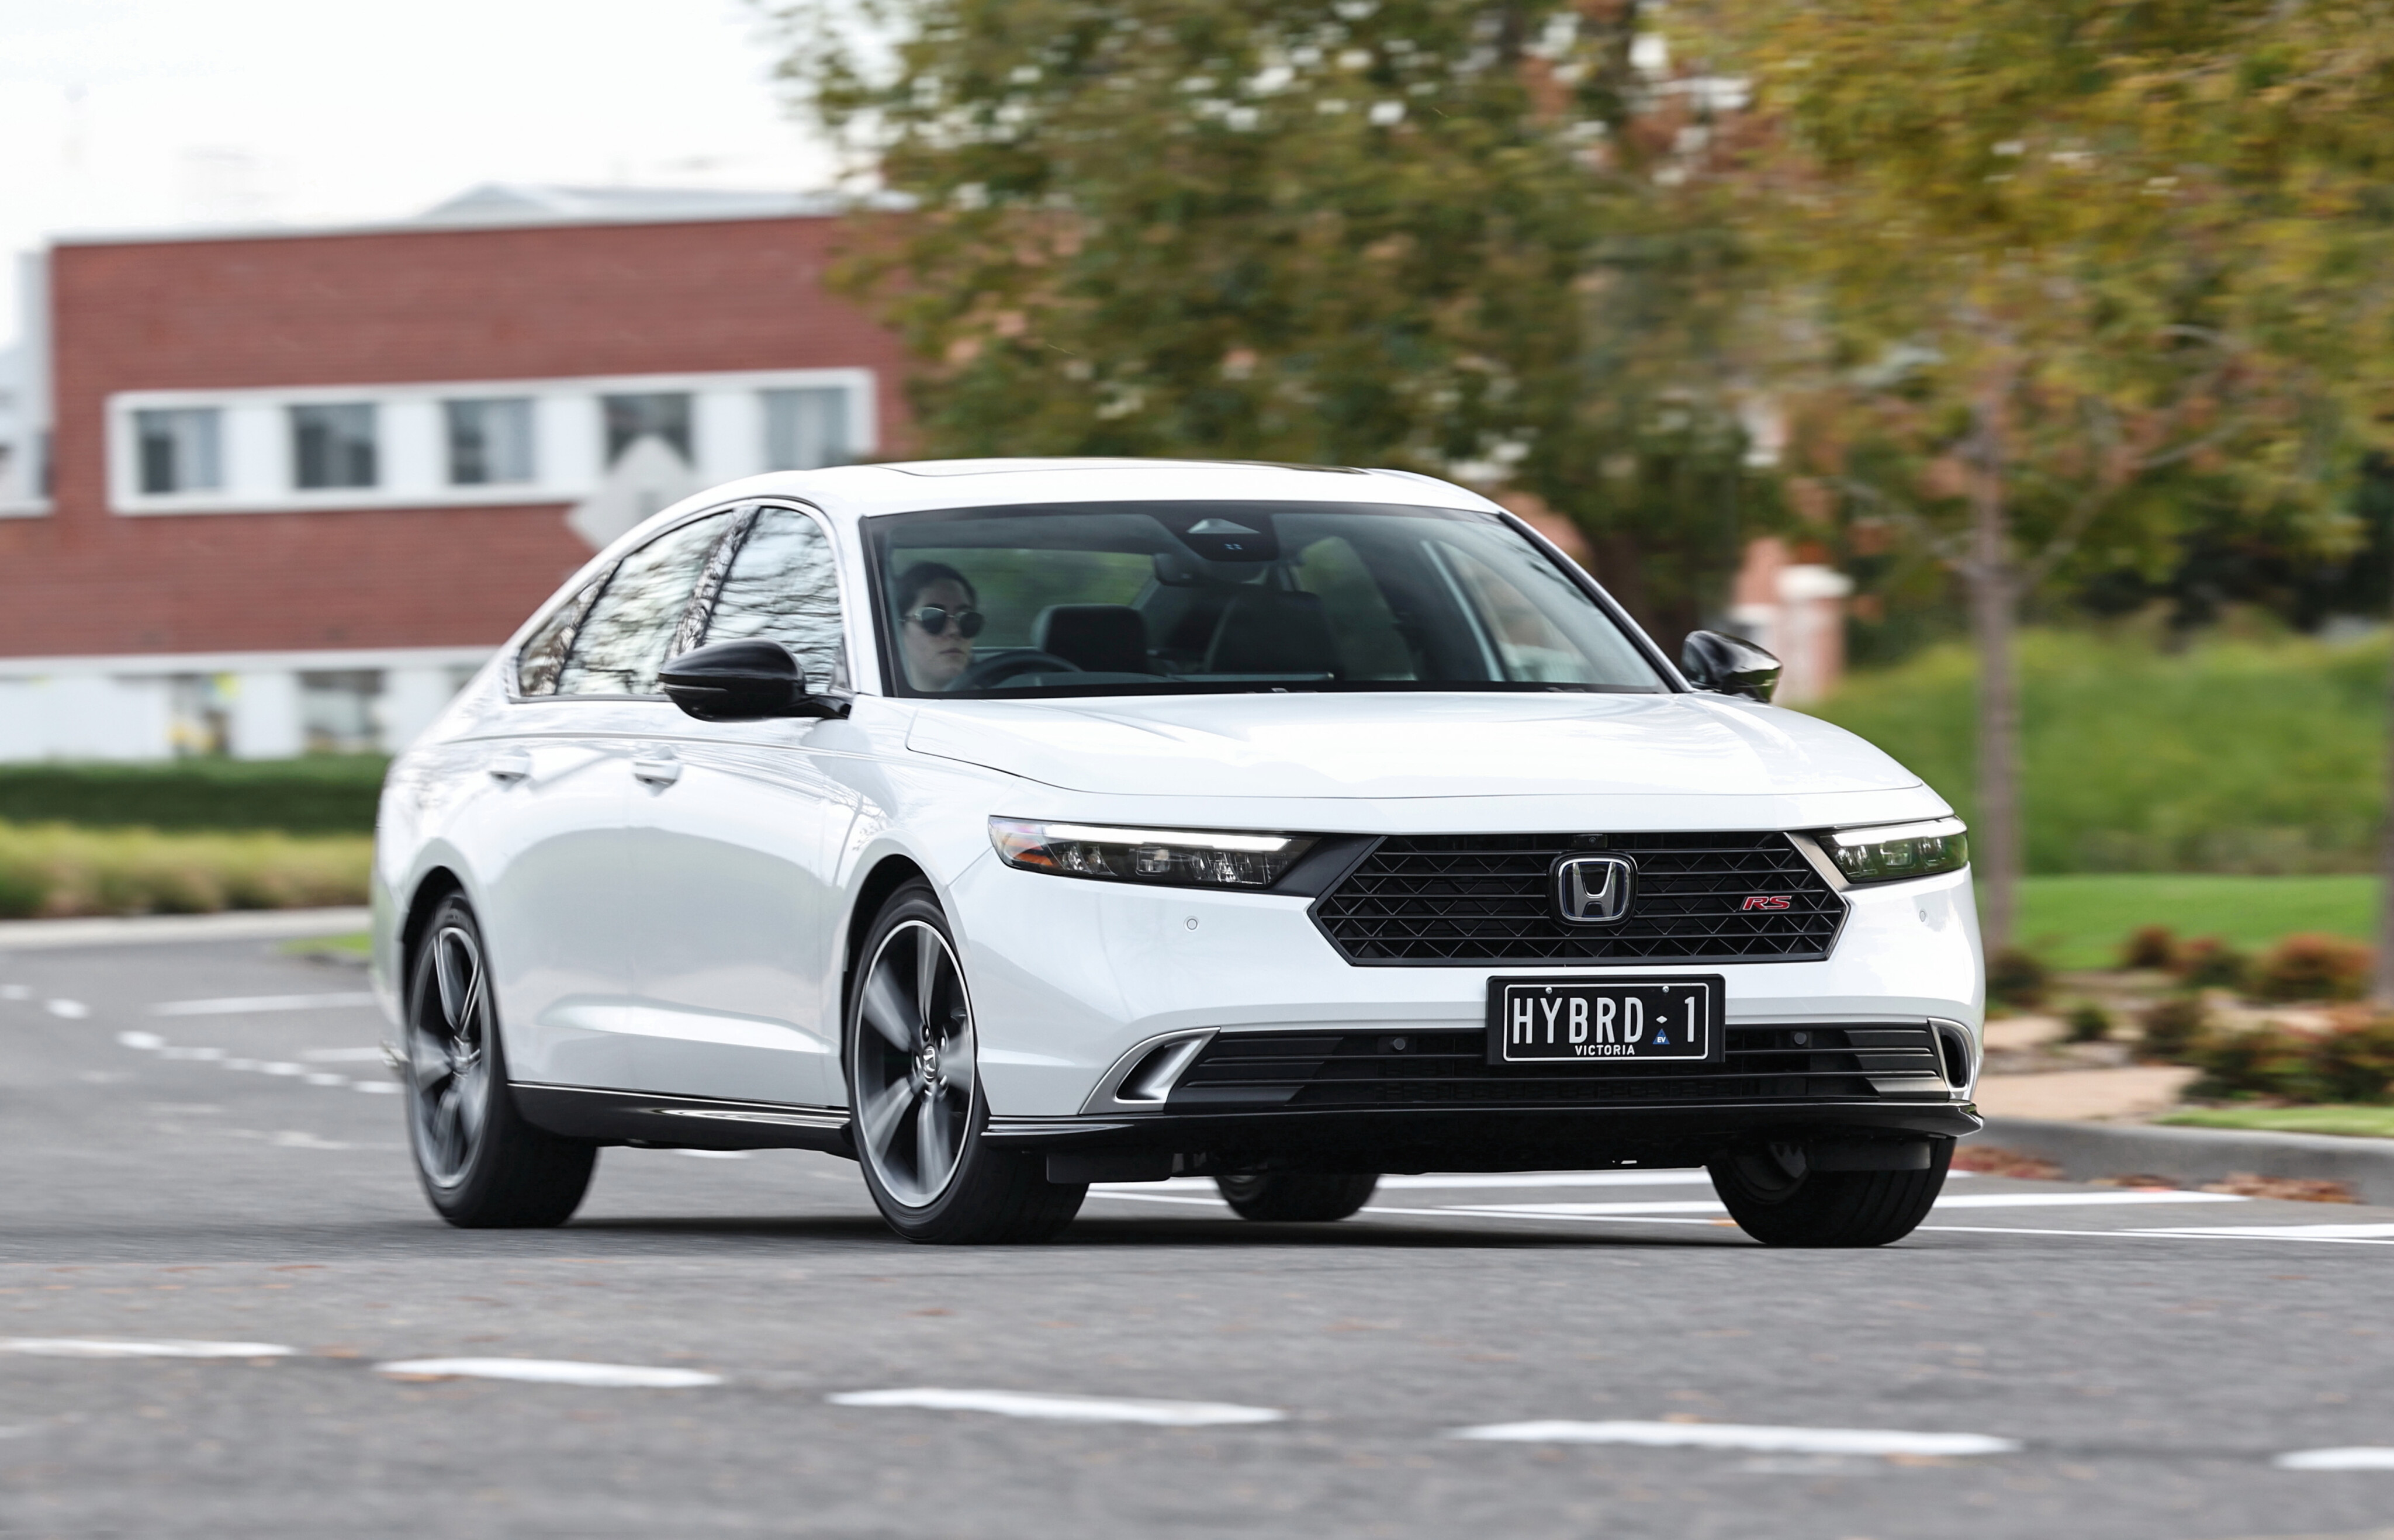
1588, 1020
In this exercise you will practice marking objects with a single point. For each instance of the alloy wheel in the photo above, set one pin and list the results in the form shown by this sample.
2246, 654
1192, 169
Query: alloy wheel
448, 1050
915, 1059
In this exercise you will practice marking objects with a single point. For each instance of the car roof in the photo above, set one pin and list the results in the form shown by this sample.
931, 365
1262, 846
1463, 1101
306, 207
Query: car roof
850, 492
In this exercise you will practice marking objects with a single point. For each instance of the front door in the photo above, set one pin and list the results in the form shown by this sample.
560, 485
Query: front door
735, 837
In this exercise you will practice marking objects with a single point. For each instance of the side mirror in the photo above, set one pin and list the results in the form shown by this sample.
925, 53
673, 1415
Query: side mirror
1728, 667
743, 681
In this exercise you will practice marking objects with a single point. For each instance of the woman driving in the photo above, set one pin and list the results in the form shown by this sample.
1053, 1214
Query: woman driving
936, 624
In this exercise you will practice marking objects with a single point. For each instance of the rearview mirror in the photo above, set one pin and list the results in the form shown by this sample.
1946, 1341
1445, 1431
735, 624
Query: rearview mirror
1728, 667
743, 681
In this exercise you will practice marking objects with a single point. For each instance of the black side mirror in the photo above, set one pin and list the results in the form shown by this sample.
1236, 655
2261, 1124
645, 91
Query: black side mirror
1727, 665
743, 681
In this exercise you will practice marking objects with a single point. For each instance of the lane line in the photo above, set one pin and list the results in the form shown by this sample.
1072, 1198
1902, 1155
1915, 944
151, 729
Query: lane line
1966, 1200
244, 1004
2358, 1457
1756, 1439
2288, 1233
107, 1346
73, 1010
342, 1056
1064, 1408
550, 1371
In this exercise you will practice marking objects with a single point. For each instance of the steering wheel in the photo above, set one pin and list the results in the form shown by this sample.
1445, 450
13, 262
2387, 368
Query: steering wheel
993, 671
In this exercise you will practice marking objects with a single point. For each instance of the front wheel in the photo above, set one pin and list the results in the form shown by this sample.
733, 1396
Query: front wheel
914, 1088
482, 1165
1296, 1197
1774, 1196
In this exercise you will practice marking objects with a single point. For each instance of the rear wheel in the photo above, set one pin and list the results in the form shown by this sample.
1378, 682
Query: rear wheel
481, 1164
1774, 1196
914, 1097
1295, 1196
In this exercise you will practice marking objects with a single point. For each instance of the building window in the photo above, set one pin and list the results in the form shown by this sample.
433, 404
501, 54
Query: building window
199, 716
805, 430
334, 445
339, 711
664, 415
490, 440
181, 450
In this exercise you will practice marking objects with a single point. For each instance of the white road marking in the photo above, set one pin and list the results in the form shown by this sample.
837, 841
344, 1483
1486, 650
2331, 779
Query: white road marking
73, 1010
244, 1004
1017, 1404
1215, 1202
2283, 1233
2361, 1457
342, 1056
553, 1371
107, 1346
328, 1080
1721, 1435
204, 1056
147, 1041
2108, 1199
376, 1088
713, 1155
15, 992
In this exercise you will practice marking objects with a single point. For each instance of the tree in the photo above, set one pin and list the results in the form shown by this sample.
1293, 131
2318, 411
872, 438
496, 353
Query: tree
2060, 261
1423, 234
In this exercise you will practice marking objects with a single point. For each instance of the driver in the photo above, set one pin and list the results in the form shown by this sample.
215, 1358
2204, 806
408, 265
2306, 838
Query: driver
936, 624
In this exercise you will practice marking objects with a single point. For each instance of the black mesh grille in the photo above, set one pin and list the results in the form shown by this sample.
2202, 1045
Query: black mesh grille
1490, 898
1451, 1068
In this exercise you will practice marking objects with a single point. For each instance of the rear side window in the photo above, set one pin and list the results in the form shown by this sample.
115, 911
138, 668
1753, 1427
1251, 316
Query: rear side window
621, 645
781, 586
544, 656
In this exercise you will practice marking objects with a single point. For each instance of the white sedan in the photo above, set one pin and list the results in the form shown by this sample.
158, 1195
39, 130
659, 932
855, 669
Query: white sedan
1010, 825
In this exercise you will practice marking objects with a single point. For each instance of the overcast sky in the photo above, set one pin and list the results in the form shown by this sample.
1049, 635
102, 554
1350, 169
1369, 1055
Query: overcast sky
148, 114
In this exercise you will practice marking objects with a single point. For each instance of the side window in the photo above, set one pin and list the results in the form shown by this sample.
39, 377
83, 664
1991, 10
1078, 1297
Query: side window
543, 654
623, 642
783, 586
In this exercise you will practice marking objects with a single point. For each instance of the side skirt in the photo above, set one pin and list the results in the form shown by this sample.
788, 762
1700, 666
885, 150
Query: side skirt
681, 1122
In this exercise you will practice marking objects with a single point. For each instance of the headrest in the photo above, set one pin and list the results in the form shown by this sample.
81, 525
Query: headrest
1273, 631
1103, 638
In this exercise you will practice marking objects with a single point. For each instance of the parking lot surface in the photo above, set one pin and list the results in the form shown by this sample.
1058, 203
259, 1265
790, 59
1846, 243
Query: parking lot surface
225, 1309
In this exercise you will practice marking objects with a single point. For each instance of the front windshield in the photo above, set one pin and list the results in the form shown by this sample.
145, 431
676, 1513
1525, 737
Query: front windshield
1111, 599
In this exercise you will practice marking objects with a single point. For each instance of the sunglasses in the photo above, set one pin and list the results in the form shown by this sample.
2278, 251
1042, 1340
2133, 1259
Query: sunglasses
934, 620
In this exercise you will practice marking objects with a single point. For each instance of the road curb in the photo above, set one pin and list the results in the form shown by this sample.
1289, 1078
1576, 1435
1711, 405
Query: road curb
244, 925
2086, 1150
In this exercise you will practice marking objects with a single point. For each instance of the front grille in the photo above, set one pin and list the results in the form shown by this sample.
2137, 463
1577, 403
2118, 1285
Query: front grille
1240, 1072
1490, 898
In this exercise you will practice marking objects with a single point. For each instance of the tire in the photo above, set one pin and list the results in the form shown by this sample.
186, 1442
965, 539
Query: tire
1296, 1197
916, 1113
1777, 1200
481, 1164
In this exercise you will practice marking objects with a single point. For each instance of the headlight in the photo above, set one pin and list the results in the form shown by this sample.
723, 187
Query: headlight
1894, 851
1174, 858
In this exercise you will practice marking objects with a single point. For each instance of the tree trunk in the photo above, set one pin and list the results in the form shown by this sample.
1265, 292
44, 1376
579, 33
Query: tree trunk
2382, 988
1995, 592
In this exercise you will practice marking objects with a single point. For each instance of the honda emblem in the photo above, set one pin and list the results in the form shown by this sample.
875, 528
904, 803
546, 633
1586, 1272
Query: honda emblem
1595, 889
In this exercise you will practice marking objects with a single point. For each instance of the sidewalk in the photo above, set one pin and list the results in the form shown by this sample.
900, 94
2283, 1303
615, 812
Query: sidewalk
243, 925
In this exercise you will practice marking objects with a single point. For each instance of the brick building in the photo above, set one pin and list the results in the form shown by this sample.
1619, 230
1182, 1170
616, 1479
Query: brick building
276, 492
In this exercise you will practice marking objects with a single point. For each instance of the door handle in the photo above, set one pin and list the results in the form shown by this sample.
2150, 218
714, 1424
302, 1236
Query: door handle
658, 767
510, 765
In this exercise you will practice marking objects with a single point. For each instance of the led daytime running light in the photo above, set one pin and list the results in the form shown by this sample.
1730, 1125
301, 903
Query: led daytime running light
1171, 858
1896, 852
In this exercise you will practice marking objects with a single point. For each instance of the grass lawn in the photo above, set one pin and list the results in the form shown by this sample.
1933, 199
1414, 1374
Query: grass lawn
2079, 921
360, 944
2366, 1121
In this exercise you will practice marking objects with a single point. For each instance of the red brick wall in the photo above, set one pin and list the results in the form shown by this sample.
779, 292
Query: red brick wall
371, 310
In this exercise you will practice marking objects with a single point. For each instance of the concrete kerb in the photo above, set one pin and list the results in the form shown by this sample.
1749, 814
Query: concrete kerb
2086, 1150
247, 925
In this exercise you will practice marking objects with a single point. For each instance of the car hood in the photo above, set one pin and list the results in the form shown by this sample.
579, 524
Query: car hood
1408, 745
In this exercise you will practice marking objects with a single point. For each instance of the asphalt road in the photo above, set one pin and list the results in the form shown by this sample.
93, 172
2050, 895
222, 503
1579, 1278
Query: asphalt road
222, 1175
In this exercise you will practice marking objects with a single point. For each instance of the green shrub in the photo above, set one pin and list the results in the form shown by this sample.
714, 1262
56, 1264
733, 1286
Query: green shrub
2150, 947
2089, 1022
2172, 1029
2016, 977
2351, 1062
2313, 968
2210, 963
321, 793
56, 870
